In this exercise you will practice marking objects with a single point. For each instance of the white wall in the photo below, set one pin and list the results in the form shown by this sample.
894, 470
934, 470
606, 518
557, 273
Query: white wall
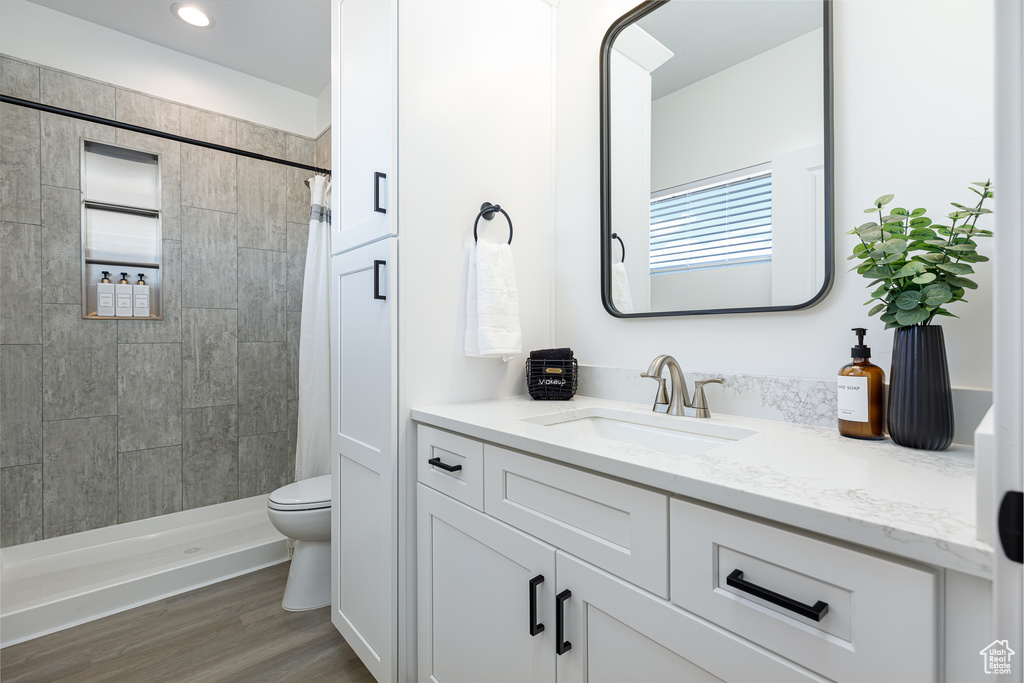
44, 36
763, 109
323, 110
926, 145
747, 114
742, 286
475, 126
630, 108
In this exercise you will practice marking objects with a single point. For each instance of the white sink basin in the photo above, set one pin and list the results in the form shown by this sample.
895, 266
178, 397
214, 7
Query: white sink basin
669, 433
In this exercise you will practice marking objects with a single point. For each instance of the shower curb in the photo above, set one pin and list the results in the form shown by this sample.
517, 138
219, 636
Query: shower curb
114, 594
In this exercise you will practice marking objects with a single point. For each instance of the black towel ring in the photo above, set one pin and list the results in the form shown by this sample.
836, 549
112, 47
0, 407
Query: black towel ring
487, 210
615, 236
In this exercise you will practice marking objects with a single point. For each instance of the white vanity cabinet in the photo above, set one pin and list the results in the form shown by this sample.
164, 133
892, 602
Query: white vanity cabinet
618, 632
543, 584
614, 525
789, 554
490, 610
485, 597
847, 614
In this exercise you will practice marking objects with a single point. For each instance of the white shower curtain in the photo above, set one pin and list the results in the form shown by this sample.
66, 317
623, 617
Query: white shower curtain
312, 449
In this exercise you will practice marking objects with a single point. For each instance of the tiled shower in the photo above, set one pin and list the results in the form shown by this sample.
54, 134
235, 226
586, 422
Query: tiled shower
105, 421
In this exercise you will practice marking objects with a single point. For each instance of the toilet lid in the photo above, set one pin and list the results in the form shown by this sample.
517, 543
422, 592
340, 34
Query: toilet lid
305, 494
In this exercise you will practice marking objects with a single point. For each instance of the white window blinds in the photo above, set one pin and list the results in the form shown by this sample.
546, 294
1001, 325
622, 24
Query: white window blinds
722, 224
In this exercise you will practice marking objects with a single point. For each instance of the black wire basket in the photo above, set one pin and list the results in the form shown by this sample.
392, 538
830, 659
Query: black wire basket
551, 380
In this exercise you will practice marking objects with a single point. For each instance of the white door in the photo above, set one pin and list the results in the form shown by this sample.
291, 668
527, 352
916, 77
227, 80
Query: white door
364, 36
1007, 480
614, 632
485, 593
364, 428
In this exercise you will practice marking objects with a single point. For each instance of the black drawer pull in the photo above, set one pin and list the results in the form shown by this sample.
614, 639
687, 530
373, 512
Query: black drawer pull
436, 462
561, 644
817, 612
535, 628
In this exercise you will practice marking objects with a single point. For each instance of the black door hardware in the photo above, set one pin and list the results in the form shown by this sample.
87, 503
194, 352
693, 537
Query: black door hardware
1011, 533
377, 177
561, 644
817, 612
535, 628
436, 462
376, 279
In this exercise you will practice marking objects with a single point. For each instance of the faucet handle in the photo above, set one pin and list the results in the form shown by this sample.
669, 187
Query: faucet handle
700, 402
661, 396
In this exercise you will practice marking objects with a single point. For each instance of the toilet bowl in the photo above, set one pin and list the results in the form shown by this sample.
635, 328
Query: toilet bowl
302, 511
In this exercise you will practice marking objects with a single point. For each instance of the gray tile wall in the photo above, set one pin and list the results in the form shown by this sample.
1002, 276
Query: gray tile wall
105, 421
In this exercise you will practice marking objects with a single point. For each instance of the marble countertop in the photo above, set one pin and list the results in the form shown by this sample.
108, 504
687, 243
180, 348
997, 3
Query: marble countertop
915, 504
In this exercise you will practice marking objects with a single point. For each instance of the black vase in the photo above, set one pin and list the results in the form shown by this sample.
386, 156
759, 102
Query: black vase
920, 401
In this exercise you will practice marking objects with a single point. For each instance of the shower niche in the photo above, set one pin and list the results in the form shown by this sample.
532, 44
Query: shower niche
121, 234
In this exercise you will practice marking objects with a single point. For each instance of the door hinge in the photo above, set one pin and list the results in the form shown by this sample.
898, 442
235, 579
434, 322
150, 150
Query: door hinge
1011, 525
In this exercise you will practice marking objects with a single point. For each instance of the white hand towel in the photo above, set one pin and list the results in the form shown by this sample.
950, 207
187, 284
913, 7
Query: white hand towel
621, 297
492, 303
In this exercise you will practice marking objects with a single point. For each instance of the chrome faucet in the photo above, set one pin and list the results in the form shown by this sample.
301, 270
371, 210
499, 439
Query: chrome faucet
679, 403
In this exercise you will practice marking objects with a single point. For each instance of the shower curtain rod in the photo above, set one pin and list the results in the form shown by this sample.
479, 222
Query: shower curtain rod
7, 99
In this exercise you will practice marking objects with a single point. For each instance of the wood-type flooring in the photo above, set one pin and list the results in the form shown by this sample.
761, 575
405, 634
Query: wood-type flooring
235, 630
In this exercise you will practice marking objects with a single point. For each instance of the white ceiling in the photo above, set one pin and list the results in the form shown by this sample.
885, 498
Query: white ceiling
707, 36
287, 42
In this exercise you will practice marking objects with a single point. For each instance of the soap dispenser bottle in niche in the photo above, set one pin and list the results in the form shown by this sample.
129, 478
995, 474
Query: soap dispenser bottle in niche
860, 394
140, 300
123, 297
105, 297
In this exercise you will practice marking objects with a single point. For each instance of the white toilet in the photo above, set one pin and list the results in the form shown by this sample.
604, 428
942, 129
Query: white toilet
302, 511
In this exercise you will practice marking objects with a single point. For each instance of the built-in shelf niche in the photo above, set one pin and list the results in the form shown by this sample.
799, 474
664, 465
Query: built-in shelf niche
120, 222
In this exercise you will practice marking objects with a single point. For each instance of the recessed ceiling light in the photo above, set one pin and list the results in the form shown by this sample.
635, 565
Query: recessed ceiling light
191, 14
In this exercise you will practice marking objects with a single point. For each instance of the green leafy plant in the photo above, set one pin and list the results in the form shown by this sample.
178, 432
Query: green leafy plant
919, 267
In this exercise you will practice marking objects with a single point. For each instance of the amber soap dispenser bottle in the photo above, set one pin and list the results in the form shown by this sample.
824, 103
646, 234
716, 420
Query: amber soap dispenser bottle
860, 394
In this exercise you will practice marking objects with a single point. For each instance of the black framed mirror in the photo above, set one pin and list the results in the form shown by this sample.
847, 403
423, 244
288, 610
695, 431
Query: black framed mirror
716, 157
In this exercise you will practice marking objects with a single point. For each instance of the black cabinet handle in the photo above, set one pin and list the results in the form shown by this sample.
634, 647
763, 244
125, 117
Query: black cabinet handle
535, 628
377, 177
1010, 535
817, 612
376, 279
561, 644
436, 462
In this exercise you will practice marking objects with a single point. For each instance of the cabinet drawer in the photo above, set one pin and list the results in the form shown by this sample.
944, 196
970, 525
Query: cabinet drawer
621, 633
622, 529
845, 614
457, 468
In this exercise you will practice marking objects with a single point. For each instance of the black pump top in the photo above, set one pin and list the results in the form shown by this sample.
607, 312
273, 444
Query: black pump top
141, 281
860, 351
106, 276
